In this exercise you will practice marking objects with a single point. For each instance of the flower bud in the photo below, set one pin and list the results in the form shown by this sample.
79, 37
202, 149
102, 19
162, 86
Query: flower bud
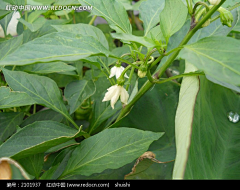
142, 74
142, 71
225, 16
214, 2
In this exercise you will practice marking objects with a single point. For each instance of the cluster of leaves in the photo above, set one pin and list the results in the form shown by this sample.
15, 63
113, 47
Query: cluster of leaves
54, 75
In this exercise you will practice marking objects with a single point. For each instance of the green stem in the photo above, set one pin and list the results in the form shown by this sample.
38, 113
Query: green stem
129, 63
175, 49
124, 71
92, 20
111, 80
34, 108
230, 9
200, 3
160, 72
157, 61
130, 78
150, 78
14, 67
180, 76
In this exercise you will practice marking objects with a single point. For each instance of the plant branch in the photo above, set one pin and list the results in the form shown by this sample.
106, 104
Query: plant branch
160, 71
180, 76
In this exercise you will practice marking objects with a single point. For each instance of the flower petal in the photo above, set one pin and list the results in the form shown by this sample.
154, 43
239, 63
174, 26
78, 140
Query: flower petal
113, 71
119, 71
124, 95
115, 96
108, 95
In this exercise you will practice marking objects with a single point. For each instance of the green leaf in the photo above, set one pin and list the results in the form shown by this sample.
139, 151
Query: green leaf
149, 13
138, 171
8, 125
214, 151
138, 39
5, 21
42, 89
46, 68
9, 99
54, 47
172, 17
101, 112
35, 25
216, 28
183, 120
44, 115
156, 34
85, 30
35, 15
217, 57
66, 2
33, 164
159, 106
112, 148
77, 92
15, 2
40, 136
3, 13
10, 46
113, 11
127, 4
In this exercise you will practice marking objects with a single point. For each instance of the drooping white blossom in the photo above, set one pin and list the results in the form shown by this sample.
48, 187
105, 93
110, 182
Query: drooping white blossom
113, 94
117, 71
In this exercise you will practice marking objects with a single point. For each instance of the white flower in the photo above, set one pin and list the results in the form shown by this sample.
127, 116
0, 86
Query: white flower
117, 71
113, 94
12, 25
214, 2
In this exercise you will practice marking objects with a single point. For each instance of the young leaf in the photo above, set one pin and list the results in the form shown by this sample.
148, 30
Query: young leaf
54, 47
183, 120
214, 151
78, 91
112, 148
113, 11
217, 56
40, 136
42, 89
149, 13
8, 125
172, 17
